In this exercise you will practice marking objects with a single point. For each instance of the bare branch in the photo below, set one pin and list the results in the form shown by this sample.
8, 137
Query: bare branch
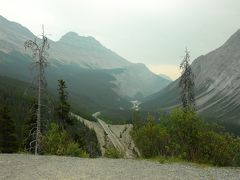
39, 53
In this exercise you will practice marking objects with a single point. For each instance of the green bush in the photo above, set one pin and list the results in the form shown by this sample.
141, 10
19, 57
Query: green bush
148, 138
74, 150
85, 137
113, 153
57, 142
184, 135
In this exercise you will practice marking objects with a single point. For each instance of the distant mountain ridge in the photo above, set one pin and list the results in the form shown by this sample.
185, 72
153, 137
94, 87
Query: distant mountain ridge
217, 84
71, 48
165, 77
86, 52
96, 75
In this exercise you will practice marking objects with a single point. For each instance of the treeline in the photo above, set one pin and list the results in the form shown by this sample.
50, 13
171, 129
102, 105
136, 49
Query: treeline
61, 134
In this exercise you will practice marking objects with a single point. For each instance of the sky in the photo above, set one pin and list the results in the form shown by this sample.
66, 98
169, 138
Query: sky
153, 32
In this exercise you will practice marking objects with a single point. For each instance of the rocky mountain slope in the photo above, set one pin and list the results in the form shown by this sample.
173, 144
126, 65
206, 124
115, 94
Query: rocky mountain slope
86, 52
217, 85
81, 52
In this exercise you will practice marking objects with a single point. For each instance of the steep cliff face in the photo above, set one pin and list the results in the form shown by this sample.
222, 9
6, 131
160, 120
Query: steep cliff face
217, 84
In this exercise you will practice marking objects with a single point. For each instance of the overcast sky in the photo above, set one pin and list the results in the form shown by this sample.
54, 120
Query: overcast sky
154, 32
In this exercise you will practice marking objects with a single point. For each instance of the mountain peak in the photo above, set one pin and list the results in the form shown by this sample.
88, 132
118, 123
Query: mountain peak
71, 35
75, 37
72, 38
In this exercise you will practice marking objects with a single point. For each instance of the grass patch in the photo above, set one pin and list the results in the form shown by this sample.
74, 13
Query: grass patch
113, 153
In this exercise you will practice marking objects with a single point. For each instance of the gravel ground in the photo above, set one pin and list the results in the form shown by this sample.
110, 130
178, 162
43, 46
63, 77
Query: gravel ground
24, 167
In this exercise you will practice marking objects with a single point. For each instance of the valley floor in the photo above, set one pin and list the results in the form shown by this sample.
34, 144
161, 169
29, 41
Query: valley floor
21, 166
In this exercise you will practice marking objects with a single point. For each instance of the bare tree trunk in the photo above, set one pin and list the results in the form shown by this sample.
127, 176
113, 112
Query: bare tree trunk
39, 53
38, 131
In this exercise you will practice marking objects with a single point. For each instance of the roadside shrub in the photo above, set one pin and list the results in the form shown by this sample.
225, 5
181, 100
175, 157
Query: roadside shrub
74, 150
220, 149
85, 137
112, 152
148, 139
183, 134
57, 142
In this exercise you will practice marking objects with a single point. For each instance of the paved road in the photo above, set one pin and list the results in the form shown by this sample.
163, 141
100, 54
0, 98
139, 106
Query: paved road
124, 144
29, 167
116, 143
113, 138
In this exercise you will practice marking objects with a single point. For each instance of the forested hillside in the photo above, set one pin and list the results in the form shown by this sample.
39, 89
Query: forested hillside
18, 97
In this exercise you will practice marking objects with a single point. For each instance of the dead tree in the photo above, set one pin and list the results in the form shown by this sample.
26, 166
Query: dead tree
187, 83
39, 53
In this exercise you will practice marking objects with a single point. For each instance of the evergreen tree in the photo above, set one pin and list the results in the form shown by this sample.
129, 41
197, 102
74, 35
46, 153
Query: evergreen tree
136, 119
8, 139
63, 107
187, 83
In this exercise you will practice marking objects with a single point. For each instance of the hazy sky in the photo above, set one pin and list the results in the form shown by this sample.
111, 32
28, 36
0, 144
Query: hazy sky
154, 32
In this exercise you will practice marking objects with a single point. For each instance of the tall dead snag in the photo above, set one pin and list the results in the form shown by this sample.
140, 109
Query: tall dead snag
39, 53
187, 83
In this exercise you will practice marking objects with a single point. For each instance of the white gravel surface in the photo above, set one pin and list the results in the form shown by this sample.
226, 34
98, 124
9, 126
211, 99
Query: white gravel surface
24, 167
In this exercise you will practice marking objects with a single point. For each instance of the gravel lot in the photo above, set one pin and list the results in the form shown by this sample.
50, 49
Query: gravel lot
24, 167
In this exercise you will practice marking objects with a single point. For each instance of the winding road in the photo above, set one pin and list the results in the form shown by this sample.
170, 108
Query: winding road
113, 138
118, 135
